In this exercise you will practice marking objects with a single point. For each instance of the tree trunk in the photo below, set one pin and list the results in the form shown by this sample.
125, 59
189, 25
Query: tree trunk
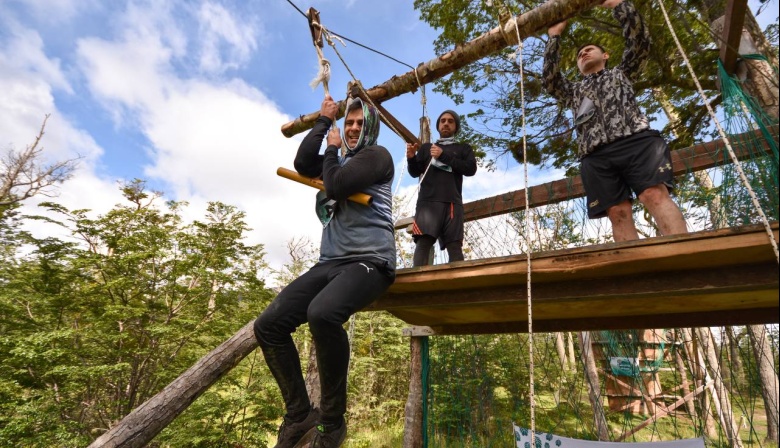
717, 214
572, 358
767, 373
696, 365
594, 389
313, 377
532, 22
141, 425
413, 420
730, 426
561, 348
737, 371
684, 386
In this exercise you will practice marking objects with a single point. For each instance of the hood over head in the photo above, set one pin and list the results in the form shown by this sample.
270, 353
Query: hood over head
370, 130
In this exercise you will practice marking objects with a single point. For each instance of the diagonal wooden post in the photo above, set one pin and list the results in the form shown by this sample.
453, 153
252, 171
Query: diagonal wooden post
141, 425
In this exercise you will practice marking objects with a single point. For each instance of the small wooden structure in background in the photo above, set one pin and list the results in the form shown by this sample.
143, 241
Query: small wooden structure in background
637, 389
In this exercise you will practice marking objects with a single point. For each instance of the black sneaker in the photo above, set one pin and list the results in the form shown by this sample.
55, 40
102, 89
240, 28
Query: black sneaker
295, 434
329, 439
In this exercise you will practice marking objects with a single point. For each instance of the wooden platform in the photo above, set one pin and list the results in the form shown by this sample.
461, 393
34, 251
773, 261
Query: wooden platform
721, 277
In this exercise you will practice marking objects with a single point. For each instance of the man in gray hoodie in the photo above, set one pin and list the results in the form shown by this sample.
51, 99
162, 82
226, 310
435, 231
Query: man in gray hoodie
356, 265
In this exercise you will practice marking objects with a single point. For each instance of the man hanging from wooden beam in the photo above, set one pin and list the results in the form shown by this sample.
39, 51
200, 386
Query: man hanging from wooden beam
356, 265
441, 167
618, 151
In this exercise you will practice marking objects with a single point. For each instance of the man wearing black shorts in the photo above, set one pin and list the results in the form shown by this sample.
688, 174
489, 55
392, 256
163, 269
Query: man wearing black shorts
356, 265
439, 213
618, 150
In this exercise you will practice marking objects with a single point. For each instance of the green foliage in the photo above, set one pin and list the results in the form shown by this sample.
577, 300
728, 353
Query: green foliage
492, 84
95, 324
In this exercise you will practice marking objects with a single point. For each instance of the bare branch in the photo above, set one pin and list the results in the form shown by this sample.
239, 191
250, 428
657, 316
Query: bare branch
22, 175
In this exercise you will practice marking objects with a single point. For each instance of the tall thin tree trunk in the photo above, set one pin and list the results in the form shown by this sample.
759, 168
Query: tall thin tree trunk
730, 426
700, 377
561, 348
594, 389
717, 214
684, 386
737, 371
767, 373
572, 358
413, 419
313, 377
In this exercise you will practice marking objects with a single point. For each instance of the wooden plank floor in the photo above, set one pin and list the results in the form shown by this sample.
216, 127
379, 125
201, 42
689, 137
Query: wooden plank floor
721, 277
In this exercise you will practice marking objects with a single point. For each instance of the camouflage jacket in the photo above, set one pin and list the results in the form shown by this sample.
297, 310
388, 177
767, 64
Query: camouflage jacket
615, 113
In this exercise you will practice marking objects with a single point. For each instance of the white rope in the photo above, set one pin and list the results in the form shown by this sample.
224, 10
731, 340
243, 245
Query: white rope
723, 136
531, 398
424, 103
323, 76
327, 37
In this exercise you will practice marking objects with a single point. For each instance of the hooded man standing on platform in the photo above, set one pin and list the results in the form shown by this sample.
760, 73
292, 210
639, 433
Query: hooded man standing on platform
439, 213
356, 265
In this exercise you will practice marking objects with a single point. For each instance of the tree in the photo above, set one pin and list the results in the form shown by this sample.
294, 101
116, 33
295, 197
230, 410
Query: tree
765, 362
22, 174
92, 327
491, 84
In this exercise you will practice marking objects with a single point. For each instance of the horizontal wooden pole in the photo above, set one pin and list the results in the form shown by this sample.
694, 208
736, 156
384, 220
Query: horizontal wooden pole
360, 198
702, 278
693, 158
526, 25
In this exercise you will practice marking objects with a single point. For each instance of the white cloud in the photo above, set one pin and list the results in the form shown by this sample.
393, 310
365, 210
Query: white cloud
57, 11
28, 82
208, 140
226, 42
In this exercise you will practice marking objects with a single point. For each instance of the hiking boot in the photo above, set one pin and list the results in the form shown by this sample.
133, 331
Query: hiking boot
329, 438
295, 434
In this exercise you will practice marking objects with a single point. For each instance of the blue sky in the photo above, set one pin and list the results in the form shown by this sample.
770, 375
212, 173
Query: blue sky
190, 95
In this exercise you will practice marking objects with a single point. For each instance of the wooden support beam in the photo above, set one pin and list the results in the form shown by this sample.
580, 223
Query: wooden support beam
694, 158
726, 276
528, 24
699, 319
732, 34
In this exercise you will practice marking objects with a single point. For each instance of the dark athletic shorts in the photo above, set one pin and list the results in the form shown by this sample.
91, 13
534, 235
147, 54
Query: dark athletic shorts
442, 220
636, 162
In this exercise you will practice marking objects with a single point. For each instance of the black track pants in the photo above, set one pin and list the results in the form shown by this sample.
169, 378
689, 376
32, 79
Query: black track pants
325, 297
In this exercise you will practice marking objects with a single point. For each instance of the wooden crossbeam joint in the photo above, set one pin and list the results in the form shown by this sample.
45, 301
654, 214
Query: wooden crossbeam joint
386, 117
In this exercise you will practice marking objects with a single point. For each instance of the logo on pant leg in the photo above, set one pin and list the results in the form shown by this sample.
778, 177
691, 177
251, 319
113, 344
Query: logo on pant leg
668, 166
593, 204
368, 269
